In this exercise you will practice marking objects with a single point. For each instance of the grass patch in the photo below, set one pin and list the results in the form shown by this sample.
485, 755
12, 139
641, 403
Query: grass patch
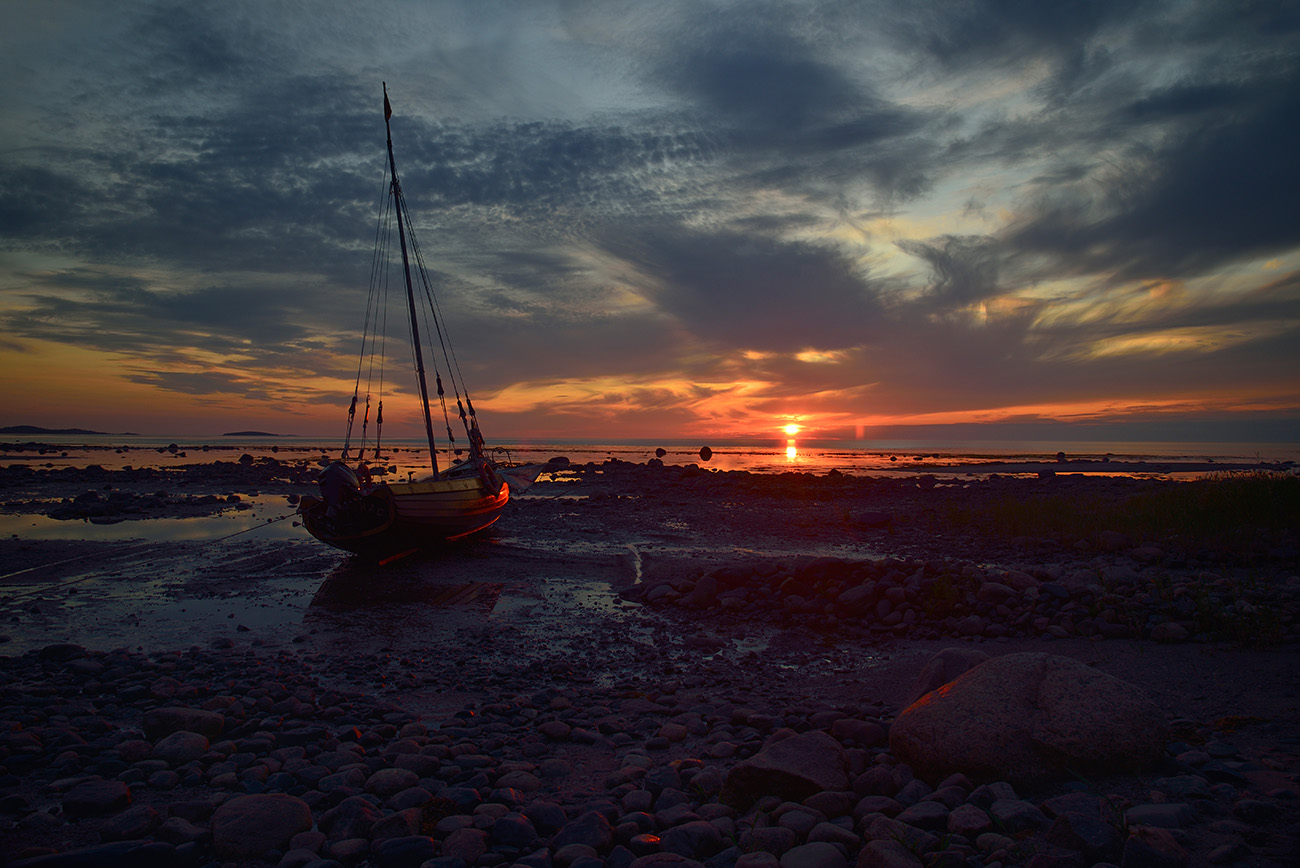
1224, 508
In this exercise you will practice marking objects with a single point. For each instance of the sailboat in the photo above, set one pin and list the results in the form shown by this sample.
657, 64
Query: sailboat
365, 515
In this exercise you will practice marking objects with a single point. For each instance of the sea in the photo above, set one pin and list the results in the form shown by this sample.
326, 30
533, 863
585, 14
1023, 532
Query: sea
864, 457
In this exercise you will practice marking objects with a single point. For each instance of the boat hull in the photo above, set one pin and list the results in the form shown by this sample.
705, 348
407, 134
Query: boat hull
393, 518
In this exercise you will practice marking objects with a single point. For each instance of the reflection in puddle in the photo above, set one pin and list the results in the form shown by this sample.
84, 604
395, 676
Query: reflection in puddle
340, 594
267, 516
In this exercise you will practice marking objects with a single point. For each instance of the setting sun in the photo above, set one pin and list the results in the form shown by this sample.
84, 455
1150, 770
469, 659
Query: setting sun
792, 429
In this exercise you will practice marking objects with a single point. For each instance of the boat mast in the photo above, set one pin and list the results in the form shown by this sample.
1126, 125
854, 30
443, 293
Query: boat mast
410, 291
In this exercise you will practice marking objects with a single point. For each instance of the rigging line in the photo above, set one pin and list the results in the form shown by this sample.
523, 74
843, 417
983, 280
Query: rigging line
374, 301
370, 301
431, 320
444, 341
448, 349
45, 588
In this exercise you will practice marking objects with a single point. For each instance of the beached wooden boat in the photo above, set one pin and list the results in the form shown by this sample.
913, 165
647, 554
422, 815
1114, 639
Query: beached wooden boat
362, 514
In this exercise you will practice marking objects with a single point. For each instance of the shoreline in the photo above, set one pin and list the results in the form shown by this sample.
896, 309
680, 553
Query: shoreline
770, 459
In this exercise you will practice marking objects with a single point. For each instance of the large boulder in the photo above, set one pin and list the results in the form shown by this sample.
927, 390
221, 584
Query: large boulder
790, 766
1027, 718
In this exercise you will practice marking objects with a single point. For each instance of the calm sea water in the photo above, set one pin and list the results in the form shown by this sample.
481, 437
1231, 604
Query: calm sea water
771, 456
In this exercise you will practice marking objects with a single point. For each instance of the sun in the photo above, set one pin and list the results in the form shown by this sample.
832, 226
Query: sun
792, 429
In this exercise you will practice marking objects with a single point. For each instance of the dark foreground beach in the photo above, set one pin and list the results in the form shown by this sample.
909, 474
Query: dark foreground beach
657, 664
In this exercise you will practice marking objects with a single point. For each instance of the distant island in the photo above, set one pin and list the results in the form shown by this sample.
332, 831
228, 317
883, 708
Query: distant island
33, 429
250, 434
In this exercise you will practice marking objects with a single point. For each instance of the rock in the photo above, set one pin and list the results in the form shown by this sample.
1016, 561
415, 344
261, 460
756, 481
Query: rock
1013, 816
96, 799
969, 821
792, 767
409, 851
181, 747
1169, 815
248, 826
1027, 718
885, 853
351, 818
99, 856
814, 855
465, 844
161, 722
928, 815
513, 830
590, 828
872, 518
863, 733
399, 824
1169, 631
948, 665
389, 782
665, 860
1150, 847
757, 859
1090, 835
696, 840
131, 824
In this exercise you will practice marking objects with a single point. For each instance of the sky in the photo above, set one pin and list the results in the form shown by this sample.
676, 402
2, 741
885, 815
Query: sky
869, 219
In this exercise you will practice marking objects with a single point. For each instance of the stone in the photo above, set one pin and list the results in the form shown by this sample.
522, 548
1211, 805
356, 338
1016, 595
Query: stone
133, 823
914, 839
465, 844
1168, 815
1013, 816
590, 828
161, 722
665, 860
181, 747
248, 826
409, 851
757, 859
399, 824
571, 853
96, 799
696, 840
969, 821
887, 854
814, 855
929, 815
1028, 718
513, 830
789, 766
863, 733
351, 818
1151, 847
389, 782
1088, 834
770, 839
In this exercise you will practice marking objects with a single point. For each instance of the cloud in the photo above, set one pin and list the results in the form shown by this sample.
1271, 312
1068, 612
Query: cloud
867, 207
